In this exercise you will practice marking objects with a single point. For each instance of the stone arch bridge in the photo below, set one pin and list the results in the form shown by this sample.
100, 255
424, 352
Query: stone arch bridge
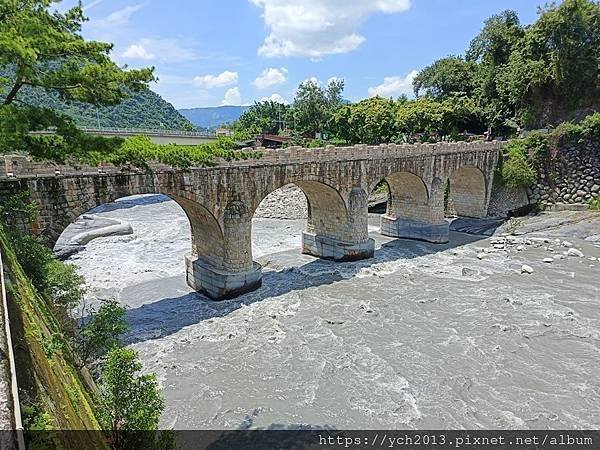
220, 201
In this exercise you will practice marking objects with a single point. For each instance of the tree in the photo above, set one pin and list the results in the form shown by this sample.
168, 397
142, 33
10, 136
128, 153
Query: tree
314, 106
130, 404
44, 49
554, 64
492, 49
102, 332
371, 121
447, 77
427, 115
424, 115
263, 117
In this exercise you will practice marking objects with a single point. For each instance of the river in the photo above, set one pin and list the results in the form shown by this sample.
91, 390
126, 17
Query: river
422, 336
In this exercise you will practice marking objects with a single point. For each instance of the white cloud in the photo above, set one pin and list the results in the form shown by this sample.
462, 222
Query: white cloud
137, 51
117, 18
223, 79
163, 50
271, 77
91, 4
394, 86
315, 28
275, 98
233, 96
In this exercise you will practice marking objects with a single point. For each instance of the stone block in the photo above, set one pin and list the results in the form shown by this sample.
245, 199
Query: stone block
410, 229
333, 249
219, 284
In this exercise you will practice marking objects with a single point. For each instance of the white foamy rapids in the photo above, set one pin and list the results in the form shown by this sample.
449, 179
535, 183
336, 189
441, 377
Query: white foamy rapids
421, 336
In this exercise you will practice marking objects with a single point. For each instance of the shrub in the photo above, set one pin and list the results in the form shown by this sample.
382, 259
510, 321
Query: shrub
18, 207
516, 170
102, 332
595, 204
57, 281
590, 126
129, 401
63, 285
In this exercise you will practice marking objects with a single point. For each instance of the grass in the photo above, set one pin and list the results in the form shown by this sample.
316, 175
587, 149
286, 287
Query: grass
594, 204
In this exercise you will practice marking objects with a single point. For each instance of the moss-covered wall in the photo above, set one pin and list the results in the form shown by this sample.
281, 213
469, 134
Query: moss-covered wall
54, 394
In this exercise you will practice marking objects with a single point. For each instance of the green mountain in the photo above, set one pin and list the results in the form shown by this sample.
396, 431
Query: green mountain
144, 109
214, 116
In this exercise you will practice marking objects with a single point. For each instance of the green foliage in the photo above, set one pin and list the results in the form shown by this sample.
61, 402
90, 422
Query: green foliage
447, 77
44, 50
371, 121
57, 281
314, 106
263, 117
63, 284
129, 401
102, 331
523, 156
18, 207
590, 127
138, 151
35, 419
595, 204
555, 62
516, 170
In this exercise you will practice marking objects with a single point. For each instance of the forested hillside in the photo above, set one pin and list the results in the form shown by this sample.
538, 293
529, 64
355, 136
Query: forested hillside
145, 109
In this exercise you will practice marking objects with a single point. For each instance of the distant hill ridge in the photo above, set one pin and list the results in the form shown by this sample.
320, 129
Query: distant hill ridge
212, 117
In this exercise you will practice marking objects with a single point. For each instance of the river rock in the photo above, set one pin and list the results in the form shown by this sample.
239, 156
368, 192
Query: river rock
526, 269
574, 252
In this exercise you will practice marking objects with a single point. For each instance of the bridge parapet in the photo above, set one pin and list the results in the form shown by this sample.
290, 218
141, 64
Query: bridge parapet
22, 166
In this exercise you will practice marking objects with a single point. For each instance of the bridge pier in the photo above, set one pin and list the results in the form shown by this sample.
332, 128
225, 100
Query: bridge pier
330, 248
415, 211
437, 233
340, 236
220, 284
234, 273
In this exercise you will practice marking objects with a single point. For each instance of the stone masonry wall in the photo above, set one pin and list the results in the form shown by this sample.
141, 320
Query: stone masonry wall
571, 175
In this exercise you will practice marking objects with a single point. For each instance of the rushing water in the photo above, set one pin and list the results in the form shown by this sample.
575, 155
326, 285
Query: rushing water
422, 336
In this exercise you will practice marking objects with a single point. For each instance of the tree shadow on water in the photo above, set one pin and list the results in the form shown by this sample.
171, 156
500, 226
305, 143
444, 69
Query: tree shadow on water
169, 315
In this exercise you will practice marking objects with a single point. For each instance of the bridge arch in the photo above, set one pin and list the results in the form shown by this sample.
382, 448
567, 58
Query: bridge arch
408, 195
467, 192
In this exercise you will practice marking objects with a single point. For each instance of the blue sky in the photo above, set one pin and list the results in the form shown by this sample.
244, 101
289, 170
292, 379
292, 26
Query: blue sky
209, 53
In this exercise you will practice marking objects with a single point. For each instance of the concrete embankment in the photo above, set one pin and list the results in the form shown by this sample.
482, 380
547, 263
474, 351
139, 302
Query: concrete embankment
10, 411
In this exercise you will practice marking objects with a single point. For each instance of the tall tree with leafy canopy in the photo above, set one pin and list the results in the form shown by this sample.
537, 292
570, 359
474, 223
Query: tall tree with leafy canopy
371, 121
44, 49
130, 403
448, 77
492, 49
314, 105
555, 68
263, 117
